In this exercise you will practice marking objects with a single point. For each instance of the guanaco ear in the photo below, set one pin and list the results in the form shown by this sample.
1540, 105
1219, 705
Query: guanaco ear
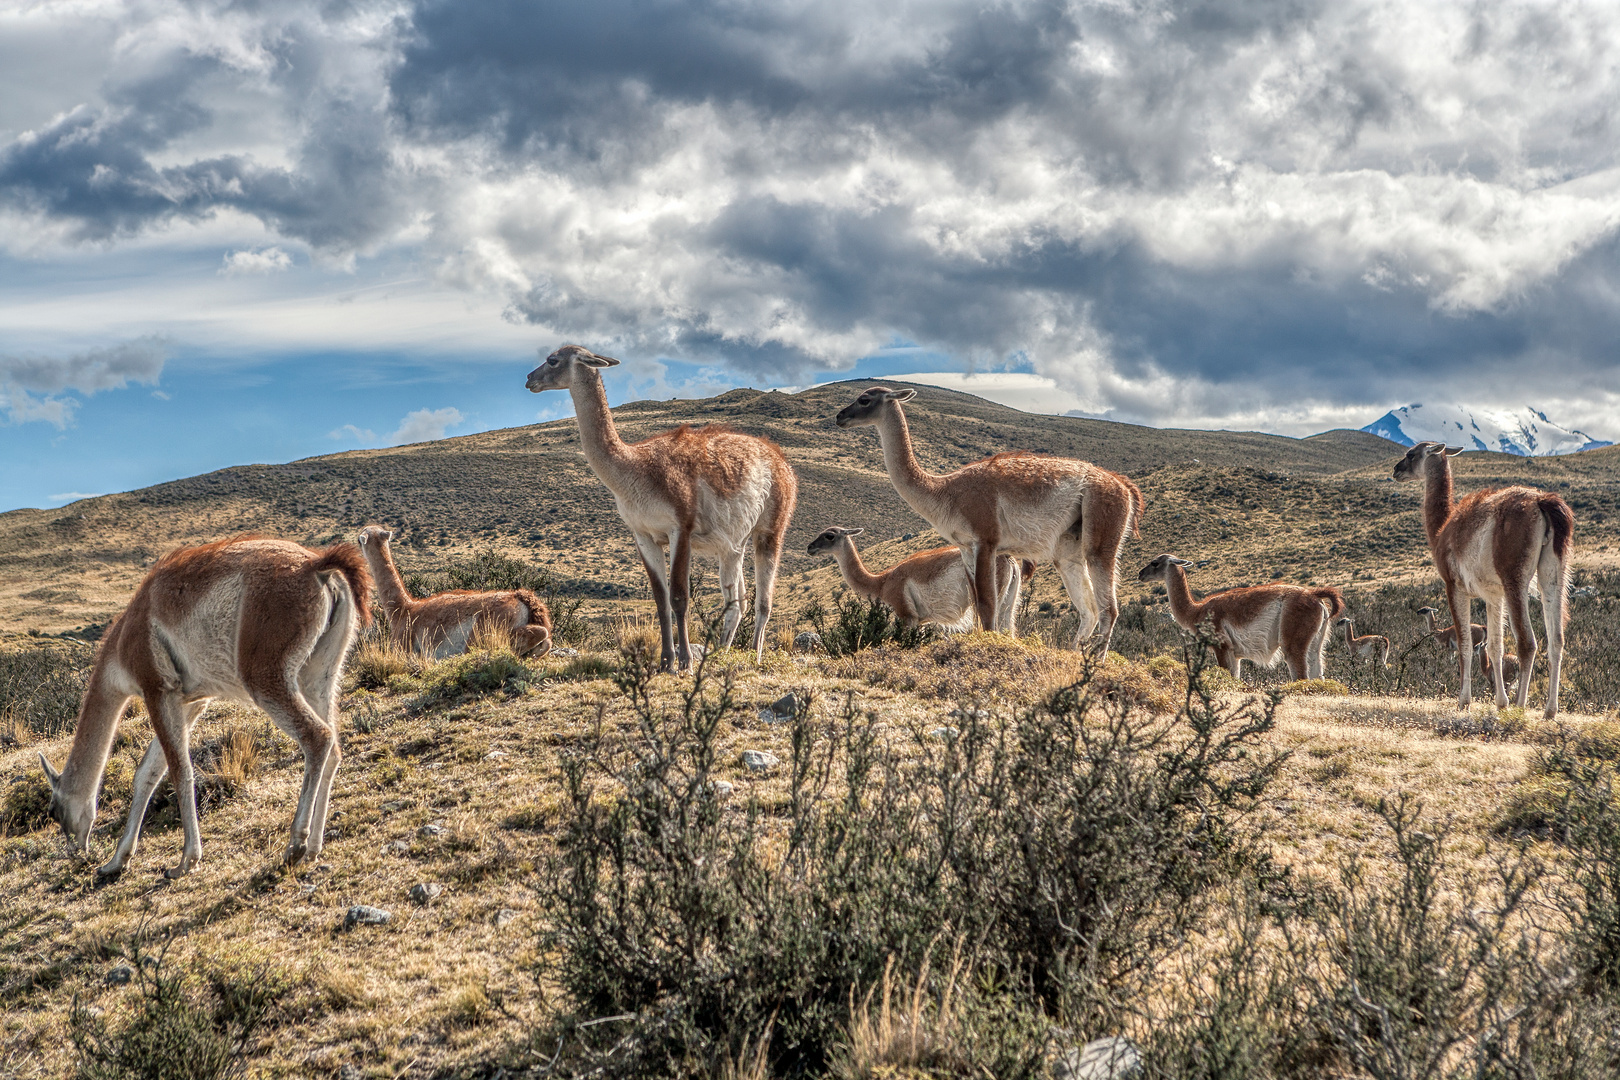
853, 532
592, 360
1453, 451
50, 774
1182, 562
901, 395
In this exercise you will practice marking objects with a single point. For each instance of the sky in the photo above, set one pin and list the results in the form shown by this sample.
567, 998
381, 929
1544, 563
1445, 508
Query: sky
268, 229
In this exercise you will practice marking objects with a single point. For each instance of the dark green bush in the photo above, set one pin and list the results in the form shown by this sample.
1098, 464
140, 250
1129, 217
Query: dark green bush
853, 625
1073, 846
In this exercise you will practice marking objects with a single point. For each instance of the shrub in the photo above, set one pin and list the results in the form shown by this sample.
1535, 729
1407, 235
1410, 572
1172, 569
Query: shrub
41, 685
479, 671
26, 805
1073, 843
853, 625
183, 1026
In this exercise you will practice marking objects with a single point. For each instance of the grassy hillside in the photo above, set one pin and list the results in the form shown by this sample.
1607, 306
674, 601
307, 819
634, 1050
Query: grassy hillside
1190, 843
1252, 505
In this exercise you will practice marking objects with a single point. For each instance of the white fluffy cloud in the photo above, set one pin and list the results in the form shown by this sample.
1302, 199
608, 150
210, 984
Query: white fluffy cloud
1225, 212
425, 425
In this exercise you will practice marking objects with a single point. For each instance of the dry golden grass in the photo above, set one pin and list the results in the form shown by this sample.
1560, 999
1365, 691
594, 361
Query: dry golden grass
907, 1031
450, 983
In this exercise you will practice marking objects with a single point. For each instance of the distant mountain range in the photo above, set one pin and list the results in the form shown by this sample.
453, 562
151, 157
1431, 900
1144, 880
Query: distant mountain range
1527, 432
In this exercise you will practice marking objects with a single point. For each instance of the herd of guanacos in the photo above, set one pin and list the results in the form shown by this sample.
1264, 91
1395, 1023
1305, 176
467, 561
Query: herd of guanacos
271, 623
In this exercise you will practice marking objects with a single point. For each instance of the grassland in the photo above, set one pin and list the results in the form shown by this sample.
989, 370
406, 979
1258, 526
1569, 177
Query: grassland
463, 786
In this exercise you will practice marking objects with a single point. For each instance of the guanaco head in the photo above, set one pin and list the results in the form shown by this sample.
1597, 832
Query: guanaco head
830, 539
374, 538
1159, 569
865, 410
1417, 459
76, 822
560, 368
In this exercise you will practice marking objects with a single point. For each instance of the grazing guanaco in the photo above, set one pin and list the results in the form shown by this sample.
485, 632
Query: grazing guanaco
264, 622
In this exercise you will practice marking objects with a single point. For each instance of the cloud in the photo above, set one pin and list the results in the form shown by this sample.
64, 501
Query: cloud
1214, 211
271, 260
351, 432
425, 425
30, 385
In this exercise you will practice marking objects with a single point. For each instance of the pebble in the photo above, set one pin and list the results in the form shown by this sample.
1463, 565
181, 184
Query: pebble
426, 892
722, 789
431, 830
564, 652
947, 733
760, 760
397, 847
350, 1071
118, 976
494, 755
504, 916
807, 641
366, 915
395, 805
969, 714
785, 706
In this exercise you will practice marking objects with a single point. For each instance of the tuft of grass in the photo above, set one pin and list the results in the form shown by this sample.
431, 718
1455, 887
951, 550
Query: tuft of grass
378, 662
476, 672
26, 805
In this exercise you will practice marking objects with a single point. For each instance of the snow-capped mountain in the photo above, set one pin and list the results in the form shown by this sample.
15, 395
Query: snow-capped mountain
1526, 432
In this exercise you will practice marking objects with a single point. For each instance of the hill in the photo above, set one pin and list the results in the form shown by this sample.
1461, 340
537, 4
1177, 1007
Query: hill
1252, 505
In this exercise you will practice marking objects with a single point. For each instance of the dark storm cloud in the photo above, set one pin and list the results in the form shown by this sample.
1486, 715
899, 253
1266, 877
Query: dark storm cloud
1254, 201
30, 386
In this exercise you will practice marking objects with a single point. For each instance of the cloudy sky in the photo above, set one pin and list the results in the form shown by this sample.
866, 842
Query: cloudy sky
261, 230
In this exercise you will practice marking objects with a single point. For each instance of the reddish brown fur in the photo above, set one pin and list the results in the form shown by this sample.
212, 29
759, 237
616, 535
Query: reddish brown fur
424, 625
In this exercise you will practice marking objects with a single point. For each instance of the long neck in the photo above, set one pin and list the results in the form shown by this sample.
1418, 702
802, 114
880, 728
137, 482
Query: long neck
1182, 605
1349, 632
93, 735
1434, 627
910, 479
855, 575
1437, 502
390, 586
605, 452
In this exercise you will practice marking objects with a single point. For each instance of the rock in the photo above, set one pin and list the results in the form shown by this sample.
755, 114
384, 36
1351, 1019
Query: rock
494, 755
350, 1071
907, 536
1111, 1058
786, 705
807, 641
120, 975
978, 715
365, 915
760, 760
504, 916
397, 847
425, 892
429, 831
565, 652
722, 789
947, 733
393, 806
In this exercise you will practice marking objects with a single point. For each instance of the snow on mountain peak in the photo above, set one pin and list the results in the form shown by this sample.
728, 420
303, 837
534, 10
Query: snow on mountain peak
1526, 432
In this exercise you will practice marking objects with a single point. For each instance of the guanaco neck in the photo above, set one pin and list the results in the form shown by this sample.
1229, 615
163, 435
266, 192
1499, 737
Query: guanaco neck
1182, 605
605, 452
855, 573
915, 484
93, 736
1437, 502
390, 586
1350, 633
